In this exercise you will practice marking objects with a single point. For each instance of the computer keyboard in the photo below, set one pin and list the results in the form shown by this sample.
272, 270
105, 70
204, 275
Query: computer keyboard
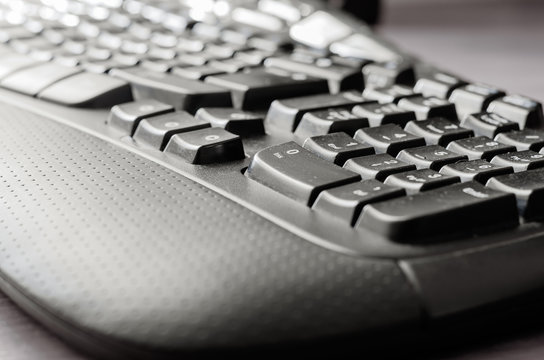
376, 179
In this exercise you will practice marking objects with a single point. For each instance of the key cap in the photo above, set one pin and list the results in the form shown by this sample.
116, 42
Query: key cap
157, 130
378, 166
206, 146
184, 94
257, 88
286, 114
347, 201
381, 114
360, 46
473, 98
127, 116
475, 170
196, 72
388, 73
338, 77
480, 147
391, 94
525, 139
430, 157
465, 208
429, 107
322, 122
11, 62
488, 124
438, 84
88, 90
229, 65
253, 57
243, 123
388, 138
32, 80
297, 173
528, 187
319, 30
337, 147
438, 131
415, 181
526, 112
254, 18
520, 160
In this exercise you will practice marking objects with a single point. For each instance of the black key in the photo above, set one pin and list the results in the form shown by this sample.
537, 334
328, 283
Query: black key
437, 131
296, 172
12, 62
389, 73
380, 114
391, 94
196, 72
426, 108
257, 88
520, 160
182, 93
206, 146
420, 180
286, 113
528, 187
338, 77
337, 147
156, 131
480, 147
438, 85
430, 157
525, 139
127, 116
328, 121
475, 170
347, 201
238, 122
88, 90
465, 208
526, 112
32, 80
378, 166
473, 98
488, 124
388, 138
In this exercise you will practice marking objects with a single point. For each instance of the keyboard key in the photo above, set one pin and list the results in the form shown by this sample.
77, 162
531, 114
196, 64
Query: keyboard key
381, 114
438, 131
360, 46
473, 98
388, 138
488, 124
11, 62
426, 108
528, 187
378, 166
525, 139
347, 201
337, 147
420, 180
480, 147
429, 157
438, 85
475, 170
156, 131
520, 160
32, 80
388, 73
465, 208
319, 30
127, 116
196, 72
322, 122
524, 111
238, 122
206, 146
257, 88
184, 94
88, 90
286, 113
229, 65
391, 94
296, 172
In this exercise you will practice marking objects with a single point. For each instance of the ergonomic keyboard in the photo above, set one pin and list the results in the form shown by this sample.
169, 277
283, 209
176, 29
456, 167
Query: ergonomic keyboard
180, 177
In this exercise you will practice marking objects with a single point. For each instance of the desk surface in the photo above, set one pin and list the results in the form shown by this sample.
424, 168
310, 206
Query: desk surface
494, 41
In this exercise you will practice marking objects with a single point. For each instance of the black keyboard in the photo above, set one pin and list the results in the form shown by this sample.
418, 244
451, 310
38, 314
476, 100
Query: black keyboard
289, 162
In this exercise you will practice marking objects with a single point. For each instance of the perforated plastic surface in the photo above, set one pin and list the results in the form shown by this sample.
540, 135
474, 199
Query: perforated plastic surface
117, 245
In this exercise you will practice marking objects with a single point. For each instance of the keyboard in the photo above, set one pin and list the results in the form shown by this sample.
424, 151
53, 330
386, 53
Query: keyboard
180, 177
